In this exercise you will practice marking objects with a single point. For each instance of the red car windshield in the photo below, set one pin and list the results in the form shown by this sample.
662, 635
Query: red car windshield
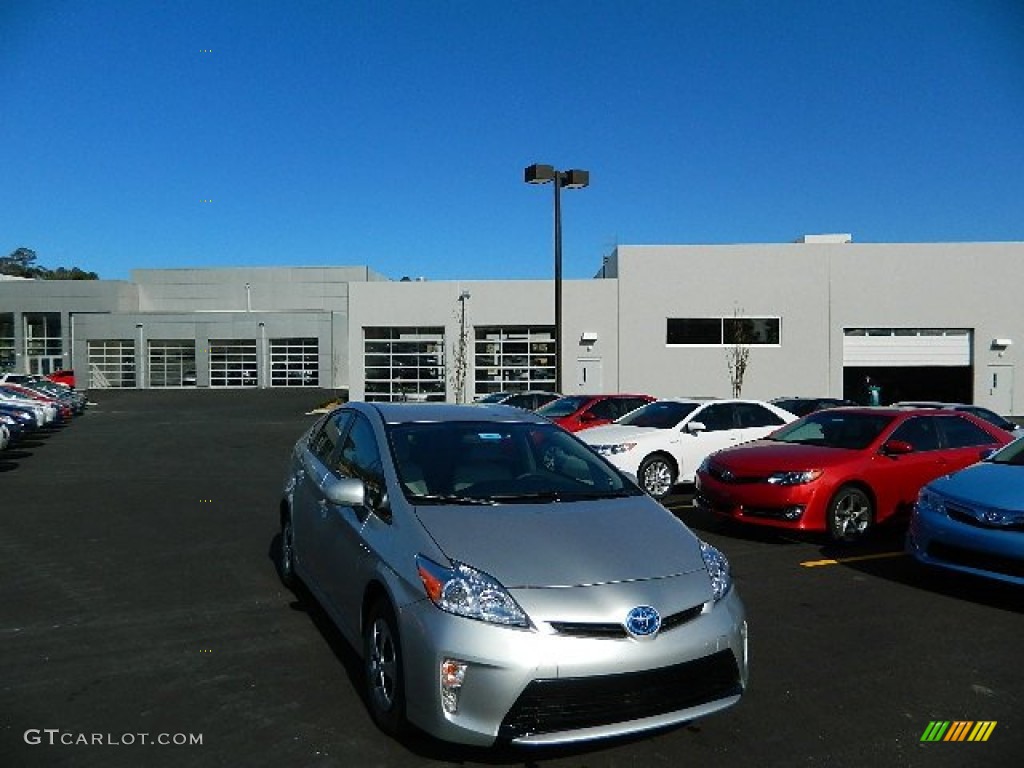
835, 429
563, 406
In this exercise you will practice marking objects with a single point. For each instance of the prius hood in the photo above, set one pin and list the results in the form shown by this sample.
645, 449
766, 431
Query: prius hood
569, 543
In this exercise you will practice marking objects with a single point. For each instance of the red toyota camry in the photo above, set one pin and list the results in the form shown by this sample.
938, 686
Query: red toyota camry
842, 470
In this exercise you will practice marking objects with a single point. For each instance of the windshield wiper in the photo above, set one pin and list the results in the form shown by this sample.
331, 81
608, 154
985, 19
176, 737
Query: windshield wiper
545, 496
449, 498
530, 498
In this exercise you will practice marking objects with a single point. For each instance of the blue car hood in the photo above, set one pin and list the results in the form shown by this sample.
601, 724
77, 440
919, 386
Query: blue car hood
987, 484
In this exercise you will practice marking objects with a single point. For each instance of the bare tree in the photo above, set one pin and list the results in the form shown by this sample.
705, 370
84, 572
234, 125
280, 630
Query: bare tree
739, 334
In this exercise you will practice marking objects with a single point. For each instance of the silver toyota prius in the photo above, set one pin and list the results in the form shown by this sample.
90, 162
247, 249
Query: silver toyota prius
502, 582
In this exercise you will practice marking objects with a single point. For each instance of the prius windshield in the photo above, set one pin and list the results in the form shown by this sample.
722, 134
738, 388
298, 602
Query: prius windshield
834, 429
465, 462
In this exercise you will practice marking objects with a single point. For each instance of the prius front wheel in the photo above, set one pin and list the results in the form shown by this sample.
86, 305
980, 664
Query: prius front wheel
382, 658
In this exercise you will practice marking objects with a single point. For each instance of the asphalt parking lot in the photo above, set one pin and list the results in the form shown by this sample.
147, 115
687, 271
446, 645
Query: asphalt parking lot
139, 597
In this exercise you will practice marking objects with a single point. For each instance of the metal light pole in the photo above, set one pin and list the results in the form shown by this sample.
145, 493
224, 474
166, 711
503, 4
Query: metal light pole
573, 179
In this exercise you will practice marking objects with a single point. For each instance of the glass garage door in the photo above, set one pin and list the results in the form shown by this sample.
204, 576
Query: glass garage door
294, 362
404, 364
111, 363
172, 363
514, 358
233, 363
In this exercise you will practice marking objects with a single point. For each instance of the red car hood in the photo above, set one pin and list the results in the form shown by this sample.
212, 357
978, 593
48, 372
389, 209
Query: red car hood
768, 456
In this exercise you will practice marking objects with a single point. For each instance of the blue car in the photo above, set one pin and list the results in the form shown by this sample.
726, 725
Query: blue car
973, 520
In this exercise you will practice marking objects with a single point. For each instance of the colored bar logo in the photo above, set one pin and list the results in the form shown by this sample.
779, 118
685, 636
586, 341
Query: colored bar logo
958, 730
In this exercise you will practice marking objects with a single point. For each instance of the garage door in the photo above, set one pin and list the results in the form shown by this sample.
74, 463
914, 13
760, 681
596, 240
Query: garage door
906, 347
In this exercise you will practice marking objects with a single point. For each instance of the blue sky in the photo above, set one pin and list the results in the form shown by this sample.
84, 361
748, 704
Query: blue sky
394, 133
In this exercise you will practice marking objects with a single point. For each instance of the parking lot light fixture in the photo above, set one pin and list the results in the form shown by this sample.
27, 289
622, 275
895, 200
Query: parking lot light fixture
571, 179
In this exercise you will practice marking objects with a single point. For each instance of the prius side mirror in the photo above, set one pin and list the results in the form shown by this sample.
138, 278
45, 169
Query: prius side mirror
345, 491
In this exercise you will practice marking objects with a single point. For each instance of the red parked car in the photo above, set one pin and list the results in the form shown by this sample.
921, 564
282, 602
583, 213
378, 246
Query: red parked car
66, 377
842, 470
576, 412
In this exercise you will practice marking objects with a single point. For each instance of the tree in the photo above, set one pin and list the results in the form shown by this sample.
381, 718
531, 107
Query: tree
21, 263
739, 333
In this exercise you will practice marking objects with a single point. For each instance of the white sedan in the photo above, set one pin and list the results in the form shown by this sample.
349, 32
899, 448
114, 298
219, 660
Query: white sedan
663, 443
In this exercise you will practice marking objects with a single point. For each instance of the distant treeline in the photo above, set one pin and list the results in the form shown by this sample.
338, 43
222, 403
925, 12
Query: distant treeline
21, 263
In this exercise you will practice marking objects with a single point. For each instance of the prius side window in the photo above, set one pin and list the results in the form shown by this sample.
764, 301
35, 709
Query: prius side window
325, 440
359, 456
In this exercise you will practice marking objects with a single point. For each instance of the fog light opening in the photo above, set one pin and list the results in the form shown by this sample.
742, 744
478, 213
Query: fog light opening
793, 513
453, 674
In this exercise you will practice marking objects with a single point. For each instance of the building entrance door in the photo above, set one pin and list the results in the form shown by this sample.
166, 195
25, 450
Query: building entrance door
1000, 389
588, 375
42, 365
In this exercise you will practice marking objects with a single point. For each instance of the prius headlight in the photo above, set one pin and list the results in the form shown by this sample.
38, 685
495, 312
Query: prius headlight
718, 570
465, 591
800, 477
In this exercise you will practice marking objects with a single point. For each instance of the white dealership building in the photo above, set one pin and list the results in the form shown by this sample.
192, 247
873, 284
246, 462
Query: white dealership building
923, 320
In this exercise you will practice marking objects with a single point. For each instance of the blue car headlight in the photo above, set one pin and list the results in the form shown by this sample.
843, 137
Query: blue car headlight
718, 569
465, 591
929, 502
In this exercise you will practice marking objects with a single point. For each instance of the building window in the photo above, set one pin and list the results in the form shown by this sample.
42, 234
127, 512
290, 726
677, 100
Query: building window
404, 364
513, 358
723, 331
7, 346
42, 335
233, 363
172, 363
111, 363
294, 362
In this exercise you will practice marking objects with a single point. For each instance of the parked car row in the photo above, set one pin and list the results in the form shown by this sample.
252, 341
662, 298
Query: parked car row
841, 469
29, 403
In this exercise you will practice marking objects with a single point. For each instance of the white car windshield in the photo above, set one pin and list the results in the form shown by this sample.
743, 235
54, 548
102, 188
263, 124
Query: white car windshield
661, 414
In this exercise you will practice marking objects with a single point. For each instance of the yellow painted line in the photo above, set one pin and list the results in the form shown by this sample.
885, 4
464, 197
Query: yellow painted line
858, 558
